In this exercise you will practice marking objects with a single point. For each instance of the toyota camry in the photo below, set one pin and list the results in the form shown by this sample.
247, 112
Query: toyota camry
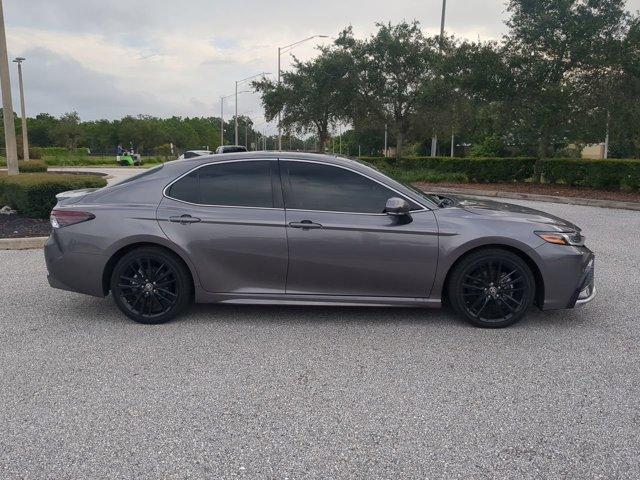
291, 228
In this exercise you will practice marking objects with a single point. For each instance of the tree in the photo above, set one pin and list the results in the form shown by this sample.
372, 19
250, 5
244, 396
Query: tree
313, 96
394, 65
67, 131
551, 42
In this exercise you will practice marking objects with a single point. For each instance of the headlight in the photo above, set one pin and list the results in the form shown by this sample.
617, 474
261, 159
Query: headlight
563, 238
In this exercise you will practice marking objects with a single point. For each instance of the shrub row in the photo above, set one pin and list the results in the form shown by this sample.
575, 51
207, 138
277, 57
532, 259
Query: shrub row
28, 166
603, 174
34, 194
32, 166
481, 170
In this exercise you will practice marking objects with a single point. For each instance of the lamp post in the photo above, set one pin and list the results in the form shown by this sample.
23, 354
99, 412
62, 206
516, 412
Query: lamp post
238, 82
434, 139
222, 99
7, 104
25, 138
281, 50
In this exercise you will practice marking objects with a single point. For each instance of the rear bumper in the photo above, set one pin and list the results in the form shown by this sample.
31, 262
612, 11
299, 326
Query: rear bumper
75, 272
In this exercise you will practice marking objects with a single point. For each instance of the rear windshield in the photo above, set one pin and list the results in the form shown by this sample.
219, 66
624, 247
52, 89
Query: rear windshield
146, 173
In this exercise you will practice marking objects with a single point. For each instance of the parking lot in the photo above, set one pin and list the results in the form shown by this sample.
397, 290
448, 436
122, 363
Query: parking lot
293, 392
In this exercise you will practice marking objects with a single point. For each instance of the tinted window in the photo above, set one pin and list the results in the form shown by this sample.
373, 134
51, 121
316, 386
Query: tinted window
185, 189
312, 186
240, 184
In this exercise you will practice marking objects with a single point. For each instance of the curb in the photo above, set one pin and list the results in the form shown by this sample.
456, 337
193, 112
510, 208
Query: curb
587, 202
25, 243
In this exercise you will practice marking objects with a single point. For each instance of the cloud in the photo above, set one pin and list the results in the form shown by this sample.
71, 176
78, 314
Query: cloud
163, 57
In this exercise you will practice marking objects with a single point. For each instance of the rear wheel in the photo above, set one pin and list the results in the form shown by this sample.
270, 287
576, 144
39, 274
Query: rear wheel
492, 288
150, 285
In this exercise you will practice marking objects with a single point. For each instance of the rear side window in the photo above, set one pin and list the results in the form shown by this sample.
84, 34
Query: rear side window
312, 186
234, 184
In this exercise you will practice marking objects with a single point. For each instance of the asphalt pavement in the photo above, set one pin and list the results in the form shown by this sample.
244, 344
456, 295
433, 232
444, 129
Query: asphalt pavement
301, 392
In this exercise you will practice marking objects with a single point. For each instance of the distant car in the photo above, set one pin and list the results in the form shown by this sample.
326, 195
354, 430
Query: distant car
292, 228
231, 149
194, 154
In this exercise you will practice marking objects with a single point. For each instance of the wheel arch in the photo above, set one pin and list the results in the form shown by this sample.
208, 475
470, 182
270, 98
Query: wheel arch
535, 269
123, 250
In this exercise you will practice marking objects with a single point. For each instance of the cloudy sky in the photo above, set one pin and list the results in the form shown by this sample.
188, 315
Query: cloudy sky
110, 58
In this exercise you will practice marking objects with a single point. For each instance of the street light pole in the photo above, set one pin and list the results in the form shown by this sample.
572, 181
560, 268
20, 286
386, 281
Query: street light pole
434, 139
25, 138
281, 50
221, 121
7, 104
238, 82
279, 113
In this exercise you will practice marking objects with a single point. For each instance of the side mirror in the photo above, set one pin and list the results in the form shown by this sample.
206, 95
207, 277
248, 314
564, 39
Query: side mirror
397, 207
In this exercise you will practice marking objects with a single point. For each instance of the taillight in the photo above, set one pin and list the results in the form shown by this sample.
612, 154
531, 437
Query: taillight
64, 218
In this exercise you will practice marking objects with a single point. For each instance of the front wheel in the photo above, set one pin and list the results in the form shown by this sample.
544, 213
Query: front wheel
492, 288
150, 285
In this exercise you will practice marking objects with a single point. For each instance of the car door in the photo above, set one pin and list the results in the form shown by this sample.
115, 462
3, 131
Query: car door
229, 218
342, 243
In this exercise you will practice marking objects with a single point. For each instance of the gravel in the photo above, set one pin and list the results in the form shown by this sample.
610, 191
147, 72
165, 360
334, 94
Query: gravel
292, 392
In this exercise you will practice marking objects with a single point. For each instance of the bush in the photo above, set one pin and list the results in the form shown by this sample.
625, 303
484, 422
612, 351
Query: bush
490, 146
34, 194
32, 166
604, 174
481, 170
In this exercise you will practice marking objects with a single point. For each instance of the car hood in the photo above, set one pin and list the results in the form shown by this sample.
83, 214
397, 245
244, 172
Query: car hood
510, 211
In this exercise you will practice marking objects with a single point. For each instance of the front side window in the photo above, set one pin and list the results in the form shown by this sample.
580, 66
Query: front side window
234, 184
313, 186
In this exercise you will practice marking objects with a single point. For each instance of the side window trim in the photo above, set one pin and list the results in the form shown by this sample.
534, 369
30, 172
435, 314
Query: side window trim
286, 187
274, 194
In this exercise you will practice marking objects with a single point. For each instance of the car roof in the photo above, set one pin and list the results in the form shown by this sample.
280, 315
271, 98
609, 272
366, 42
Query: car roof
282, 155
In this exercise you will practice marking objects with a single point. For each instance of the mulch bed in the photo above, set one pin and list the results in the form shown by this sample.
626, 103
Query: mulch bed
15, 226
553, 190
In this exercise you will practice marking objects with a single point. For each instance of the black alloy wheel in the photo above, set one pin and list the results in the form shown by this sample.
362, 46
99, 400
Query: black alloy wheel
150, 285
492, 288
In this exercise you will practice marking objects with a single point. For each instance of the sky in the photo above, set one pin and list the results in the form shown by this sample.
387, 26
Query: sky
110, 58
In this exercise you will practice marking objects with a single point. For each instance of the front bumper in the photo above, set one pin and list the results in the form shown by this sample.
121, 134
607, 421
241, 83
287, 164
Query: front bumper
587, 290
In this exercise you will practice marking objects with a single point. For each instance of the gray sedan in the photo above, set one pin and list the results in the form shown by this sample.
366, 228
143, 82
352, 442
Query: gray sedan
286, 228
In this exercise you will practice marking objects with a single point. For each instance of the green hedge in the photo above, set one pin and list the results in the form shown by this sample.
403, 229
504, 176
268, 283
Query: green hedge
481, 170
31, 166
34, 194
604, 174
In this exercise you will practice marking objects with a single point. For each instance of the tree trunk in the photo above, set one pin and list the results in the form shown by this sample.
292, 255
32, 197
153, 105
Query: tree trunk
543, 151
399, 141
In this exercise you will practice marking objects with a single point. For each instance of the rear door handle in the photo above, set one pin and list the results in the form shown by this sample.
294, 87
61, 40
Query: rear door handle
305, 225
184, 219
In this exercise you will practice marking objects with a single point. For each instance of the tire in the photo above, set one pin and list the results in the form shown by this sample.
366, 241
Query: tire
151, 285
491, 288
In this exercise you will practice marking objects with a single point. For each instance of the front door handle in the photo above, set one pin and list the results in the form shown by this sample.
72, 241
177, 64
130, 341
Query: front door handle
184, 219
305, 225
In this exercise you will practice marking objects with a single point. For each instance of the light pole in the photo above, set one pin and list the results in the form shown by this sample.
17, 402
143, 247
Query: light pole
7, 104
25, 138
434, 139
238, 82
222, 99
285, 49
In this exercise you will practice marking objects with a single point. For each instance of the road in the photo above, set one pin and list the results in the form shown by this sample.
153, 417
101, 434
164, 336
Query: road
292, 392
